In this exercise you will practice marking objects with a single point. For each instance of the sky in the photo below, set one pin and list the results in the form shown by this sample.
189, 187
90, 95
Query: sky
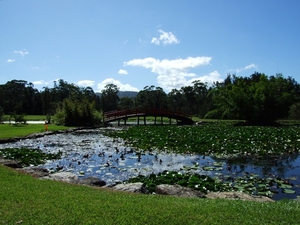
139, 43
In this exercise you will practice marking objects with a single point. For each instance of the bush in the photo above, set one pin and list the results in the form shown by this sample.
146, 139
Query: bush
19, 118
294, 112
77, 113
1, 114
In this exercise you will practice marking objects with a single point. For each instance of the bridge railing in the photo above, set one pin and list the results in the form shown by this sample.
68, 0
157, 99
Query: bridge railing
131, 112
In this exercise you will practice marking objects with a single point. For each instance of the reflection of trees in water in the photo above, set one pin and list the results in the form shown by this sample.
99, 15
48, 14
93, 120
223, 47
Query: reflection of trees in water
266, 165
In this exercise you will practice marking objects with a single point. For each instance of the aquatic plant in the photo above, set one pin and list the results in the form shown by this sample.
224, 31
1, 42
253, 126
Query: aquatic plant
27, 156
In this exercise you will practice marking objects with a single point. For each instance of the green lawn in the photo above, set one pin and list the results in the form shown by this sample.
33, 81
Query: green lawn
30, 117
11, 131
27, 200
24, 198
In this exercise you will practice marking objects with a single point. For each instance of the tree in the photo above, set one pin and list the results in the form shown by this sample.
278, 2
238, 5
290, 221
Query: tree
152, 97
18, 96
109, 97
190, 99
77, 112
126, 103
258, 99
294, 112
1, 113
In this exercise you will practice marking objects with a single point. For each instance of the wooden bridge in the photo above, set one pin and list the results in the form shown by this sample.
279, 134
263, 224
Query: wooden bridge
119, 115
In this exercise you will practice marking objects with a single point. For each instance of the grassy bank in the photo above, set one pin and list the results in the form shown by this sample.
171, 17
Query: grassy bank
27, 200
28, 117
11, 131
24, 198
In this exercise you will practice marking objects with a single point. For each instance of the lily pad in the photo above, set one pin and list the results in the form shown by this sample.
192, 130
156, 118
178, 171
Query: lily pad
285, 186
288, 191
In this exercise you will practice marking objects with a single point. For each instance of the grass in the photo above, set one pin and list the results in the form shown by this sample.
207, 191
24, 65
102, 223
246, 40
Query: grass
27, 200
30, 117
11, 131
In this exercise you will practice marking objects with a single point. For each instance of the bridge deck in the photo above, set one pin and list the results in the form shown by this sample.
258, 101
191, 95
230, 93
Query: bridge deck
125, 114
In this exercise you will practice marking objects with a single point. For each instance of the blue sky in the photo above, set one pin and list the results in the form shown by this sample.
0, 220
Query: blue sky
138, 43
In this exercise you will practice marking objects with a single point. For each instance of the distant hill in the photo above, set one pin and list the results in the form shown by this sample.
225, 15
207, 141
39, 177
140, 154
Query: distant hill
121, 94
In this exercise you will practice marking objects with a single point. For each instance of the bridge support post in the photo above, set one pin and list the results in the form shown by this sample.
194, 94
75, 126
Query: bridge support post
144, 120
161, 120
138, 122
155, 120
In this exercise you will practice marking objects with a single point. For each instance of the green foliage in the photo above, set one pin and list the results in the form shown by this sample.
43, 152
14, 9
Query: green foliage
18, 118
59, 117
294, 112
195, 181
217, 141
259, 99
77, 112
126, 103
109, 97
27, 156
152, 98
1, 114
249, 183
97, 117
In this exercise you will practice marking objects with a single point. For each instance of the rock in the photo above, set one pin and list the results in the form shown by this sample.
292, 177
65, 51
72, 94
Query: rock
36, 171
10, 163
62, 176
238, 196
131, 187
92, 181
177, 190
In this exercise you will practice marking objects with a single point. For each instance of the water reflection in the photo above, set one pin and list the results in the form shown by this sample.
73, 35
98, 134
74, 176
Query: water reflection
91, 153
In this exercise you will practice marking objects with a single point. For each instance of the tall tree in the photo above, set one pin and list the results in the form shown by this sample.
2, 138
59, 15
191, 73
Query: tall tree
259, 99
109, 97
126, 103
152, 97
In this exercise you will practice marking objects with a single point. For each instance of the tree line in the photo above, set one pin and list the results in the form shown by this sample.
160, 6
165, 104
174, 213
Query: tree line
257, 99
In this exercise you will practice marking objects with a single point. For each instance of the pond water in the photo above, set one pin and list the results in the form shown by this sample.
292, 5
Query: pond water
90, 153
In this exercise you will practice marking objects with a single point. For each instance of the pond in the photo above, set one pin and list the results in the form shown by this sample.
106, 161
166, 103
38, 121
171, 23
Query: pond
90, 153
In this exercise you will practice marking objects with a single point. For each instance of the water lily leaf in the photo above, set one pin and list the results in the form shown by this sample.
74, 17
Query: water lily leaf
208, 168
218, 163
262, 185
292, 178
285, 186
288, 191
187, 168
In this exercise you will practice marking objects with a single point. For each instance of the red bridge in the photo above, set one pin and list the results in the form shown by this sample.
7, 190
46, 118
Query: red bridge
119, 115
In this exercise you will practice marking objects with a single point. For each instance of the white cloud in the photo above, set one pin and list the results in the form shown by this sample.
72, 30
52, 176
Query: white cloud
10, 60
209, 78
22, 53
122, 72
166, 38
40, 82
175, 73
250, 66
123, 87
86, 83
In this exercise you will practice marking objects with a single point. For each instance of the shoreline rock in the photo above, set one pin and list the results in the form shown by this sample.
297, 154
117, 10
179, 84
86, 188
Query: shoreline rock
163, 189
